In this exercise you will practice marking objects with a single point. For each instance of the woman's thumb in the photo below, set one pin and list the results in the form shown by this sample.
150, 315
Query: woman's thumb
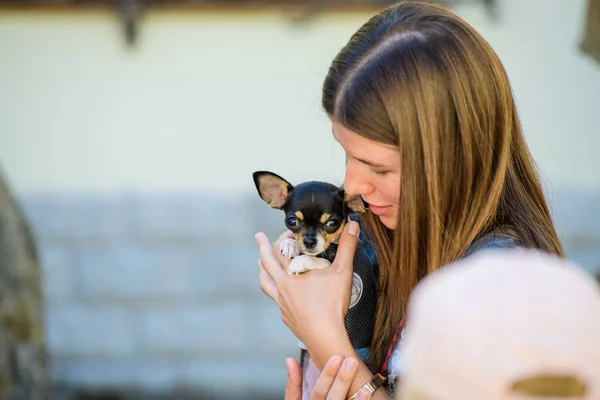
293, 384
344, 257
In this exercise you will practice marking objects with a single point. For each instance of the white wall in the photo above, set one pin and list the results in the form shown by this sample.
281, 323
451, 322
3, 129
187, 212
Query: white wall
202, 101
205, 99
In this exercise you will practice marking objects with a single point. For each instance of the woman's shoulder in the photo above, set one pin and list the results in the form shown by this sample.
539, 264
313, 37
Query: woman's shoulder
501, 238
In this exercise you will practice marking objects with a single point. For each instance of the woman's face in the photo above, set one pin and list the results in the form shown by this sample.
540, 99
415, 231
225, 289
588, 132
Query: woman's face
373, 172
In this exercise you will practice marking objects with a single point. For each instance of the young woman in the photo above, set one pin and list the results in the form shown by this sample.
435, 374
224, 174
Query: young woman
423, 108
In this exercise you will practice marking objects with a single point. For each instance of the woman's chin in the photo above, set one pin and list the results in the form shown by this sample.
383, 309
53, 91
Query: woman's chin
389, 222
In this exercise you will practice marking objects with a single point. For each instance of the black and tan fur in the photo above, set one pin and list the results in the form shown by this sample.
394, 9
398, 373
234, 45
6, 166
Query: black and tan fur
316, 212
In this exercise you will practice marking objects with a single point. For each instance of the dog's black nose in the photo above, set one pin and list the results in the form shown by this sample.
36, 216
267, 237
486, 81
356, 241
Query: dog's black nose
309, 242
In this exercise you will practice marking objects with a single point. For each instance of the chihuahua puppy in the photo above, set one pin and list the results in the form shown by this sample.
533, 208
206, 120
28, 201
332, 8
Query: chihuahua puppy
316, 213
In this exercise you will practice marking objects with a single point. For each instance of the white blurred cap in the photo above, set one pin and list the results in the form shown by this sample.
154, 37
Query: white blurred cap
503, 324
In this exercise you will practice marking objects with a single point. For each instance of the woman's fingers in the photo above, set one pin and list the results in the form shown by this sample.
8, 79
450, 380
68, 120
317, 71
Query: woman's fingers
293, 384
363, 394
333, 383
326, 379
268, 260
341, 385
268, 263
267, 284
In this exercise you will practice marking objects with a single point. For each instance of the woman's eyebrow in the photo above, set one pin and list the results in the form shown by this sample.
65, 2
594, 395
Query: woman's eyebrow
370, 163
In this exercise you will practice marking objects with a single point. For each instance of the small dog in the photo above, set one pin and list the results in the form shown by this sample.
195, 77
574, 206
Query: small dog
316, 213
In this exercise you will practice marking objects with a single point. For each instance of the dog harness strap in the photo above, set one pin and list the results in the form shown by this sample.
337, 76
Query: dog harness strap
391, 348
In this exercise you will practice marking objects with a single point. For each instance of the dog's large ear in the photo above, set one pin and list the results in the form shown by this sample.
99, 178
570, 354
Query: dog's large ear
354, 203
272, 188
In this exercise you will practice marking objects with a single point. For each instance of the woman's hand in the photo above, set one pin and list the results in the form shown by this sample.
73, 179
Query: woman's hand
333, 383
314, 304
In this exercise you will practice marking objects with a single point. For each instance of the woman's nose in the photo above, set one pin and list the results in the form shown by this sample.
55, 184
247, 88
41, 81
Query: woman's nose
355, 183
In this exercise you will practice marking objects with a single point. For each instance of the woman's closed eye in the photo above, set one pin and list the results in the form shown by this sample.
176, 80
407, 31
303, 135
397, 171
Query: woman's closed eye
380, 172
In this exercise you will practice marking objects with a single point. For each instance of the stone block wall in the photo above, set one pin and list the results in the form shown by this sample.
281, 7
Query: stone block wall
160, 293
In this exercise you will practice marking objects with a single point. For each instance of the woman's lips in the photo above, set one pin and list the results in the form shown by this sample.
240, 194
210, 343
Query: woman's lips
379, 210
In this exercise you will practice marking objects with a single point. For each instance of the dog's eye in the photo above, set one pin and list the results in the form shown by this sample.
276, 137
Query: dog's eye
332, 223
291, 222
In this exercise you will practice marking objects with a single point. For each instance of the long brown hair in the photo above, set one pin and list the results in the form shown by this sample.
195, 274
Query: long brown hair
418, 77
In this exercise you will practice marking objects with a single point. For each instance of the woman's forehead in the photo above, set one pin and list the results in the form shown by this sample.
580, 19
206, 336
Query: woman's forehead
360, 147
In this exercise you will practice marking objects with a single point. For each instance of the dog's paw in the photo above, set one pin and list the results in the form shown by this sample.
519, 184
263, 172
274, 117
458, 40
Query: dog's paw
288, 248
299, 265
304, 263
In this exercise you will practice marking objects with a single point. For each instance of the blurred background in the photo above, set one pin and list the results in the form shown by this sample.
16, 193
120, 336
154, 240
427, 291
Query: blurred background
129, 131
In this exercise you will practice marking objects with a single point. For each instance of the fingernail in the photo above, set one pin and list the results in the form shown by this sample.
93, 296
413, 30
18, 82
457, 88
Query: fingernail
337, 361
363, 394
352, 228
350, 364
